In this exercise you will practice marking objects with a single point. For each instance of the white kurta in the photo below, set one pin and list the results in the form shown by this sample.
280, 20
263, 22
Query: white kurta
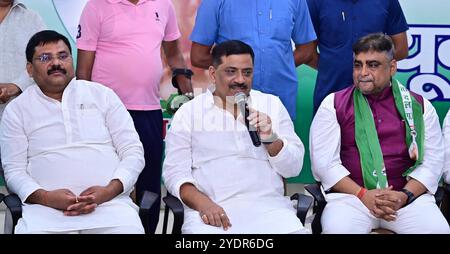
325, 147
446, 132
86, 139
206, 146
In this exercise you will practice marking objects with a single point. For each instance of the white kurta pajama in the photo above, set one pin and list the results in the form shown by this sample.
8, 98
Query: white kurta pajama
206, 146
446, 132
345, 213
87, 139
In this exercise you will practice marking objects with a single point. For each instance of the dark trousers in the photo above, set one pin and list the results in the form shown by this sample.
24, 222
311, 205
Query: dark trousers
149, 125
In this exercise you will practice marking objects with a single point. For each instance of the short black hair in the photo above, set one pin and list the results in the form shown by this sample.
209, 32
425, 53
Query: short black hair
378, 42
232, 47
43, 37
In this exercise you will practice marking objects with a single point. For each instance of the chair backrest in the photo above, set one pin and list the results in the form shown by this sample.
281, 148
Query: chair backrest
173, 204
445, 202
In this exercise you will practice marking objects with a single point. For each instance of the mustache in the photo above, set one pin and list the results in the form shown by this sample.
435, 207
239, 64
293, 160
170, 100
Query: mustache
56, 68
237, 85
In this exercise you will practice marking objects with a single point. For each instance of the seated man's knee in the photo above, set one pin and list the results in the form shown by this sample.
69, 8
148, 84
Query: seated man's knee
341, 220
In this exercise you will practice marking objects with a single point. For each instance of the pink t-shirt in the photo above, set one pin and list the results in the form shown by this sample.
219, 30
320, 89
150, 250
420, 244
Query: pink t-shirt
127, 41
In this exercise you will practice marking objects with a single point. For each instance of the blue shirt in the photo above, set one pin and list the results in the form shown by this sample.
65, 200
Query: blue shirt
268, 27
339, 24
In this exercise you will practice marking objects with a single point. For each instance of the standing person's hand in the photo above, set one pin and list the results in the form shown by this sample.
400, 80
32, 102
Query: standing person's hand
7, 91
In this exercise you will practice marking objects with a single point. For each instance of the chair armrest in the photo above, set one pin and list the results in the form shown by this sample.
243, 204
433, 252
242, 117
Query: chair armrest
439, 195
14, 212
148, 200
303, 205
316, 192
175, 205
319, 205
446, 188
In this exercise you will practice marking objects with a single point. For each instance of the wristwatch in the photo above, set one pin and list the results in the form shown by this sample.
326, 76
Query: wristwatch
410, 196
270, 139
185, 72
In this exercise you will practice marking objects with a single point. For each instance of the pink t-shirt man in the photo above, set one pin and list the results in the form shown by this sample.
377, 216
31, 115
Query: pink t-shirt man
127, 40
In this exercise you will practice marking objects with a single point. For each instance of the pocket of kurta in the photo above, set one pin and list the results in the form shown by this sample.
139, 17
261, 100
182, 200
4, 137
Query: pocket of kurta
93, 125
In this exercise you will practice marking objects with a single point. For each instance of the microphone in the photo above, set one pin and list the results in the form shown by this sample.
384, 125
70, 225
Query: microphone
241, 100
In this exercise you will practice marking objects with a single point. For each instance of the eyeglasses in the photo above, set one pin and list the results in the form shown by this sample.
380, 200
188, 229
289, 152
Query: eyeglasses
46, 58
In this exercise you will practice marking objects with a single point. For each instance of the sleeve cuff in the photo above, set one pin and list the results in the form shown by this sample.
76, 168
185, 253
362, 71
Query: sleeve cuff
28, 190
172, 37
182, 181
331, 176
86, 46
280, 156
124, 177
427, 180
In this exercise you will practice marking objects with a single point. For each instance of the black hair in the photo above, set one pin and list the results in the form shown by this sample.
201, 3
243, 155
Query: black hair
378, 42
42, 38
232, 47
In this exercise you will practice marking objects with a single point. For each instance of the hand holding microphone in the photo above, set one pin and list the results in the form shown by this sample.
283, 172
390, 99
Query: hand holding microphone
241, 100
259, 125
262, 123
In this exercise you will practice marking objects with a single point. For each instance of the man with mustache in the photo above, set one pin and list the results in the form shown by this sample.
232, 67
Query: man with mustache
69, 149
377, 150
227, 184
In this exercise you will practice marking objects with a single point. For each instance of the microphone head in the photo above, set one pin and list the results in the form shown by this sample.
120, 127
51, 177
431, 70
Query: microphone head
240, 97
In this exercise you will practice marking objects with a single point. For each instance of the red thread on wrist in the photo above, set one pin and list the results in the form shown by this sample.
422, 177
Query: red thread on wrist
361, 192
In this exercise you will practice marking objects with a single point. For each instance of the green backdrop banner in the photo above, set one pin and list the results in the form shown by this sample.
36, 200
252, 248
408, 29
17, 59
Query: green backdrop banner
426, 71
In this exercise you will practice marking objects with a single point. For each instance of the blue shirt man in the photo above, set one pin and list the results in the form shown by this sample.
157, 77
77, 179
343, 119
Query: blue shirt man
268, 26
340, 23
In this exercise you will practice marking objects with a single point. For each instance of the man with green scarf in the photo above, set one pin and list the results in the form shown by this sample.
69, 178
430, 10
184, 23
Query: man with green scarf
377, 149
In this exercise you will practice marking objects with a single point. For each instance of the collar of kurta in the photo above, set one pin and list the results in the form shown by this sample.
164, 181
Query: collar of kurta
68, 87
210, 97
17, 3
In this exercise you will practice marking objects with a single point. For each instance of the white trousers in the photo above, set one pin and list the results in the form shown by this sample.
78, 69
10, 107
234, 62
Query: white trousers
105, 230
346, 214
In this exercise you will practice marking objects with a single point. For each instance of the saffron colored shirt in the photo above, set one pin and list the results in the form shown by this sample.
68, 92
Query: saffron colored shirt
325, 147
127, 41
87, 139
207, 147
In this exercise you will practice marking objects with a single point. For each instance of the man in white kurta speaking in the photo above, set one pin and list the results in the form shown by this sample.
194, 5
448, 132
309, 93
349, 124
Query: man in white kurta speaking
69, 149
226, 183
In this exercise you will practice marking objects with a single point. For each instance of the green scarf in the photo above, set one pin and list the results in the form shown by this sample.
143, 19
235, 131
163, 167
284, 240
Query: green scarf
371, 156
